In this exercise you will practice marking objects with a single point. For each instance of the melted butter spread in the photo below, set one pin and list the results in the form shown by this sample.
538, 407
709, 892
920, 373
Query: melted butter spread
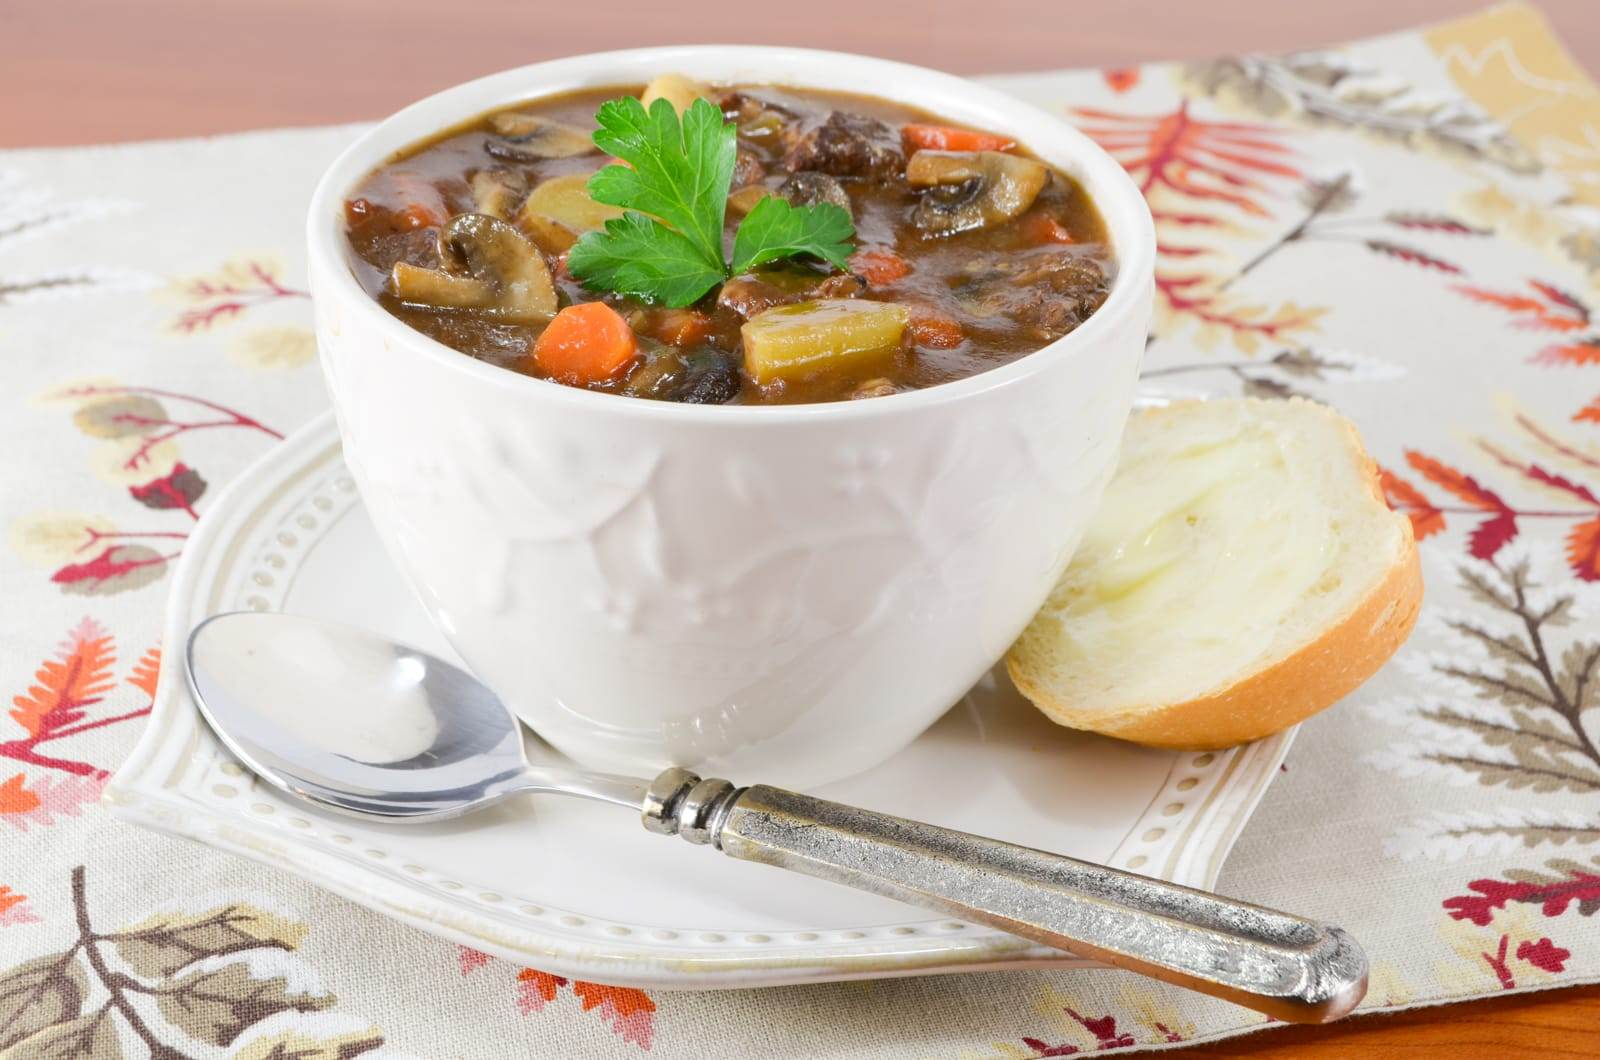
1197, 554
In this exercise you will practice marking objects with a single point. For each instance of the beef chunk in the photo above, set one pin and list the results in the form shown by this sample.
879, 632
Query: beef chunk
752, 293
749, 295
808, 188
747, 170
381, 246
1050, 292
840, 285
848, 145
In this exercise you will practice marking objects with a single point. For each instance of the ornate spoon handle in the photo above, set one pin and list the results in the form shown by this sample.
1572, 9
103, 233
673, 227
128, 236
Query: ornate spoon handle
1285, 966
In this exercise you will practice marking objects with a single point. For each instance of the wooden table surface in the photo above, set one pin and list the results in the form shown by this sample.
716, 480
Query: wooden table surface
74, 72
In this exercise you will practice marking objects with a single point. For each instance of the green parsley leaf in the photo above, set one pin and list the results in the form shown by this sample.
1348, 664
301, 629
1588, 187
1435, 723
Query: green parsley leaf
681, 172
668, 247
775, 229
637, 256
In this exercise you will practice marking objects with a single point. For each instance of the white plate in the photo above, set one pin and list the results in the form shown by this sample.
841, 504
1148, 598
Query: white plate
580, 889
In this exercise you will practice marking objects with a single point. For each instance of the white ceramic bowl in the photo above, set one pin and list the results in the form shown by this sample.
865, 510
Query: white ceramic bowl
786, 593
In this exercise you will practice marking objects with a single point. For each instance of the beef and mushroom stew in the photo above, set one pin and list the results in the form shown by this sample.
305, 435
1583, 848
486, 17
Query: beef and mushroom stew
745, 244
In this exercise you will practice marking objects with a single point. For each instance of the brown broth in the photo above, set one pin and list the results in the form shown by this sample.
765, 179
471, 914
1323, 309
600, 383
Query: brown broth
1004, 287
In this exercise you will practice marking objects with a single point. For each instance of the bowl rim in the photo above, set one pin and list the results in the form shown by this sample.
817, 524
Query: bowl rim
1120, 203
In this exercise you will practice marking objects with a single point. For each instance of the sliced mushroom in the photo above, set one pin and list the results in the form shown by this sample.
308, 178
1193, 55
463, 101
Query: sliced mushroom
488, 266
527, 138
490, 250
496, 192
972, 189
442, 290
808, 188
676, 89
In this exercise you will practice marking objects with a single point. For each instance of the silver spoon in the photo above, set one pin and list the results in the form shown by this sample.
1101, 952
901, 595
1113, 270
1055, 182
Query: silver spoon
356, 723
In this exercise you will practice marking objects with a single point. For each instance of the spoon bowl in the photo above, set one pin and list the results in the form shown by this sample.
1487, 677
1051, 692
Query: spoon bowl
360, 724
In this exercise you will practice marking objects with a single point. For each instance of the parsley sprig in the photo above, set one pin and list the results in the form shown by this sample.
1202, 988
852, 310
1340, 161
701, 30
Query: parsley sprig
667, 247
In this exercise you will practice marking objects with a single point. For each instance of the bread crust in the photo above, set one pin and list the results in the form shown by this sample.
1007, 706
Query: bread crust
1307, 680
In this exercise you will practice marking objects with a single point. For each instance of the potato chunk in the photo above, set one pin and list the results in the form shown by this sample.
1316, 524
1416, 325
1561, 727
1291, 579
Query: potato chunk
676, 89
564, 203
744, 200
794, 341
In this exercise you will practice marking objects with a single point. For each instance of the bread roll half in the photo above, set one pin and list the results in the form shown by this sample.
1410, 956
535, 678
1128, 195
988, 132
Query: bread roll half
1243, 573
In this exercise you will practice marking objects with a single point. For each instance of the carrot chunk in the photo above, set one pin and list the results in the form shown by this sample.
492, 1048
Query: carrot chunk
934, 330
946, 138
1041, 228
424, 205
586, 343
417, 216
879, 267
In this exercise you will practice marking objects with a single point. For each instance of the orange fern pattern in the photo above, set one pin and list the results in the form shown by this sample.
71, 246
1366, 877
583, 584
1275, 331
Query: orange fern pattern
1583, 549
630, 1013
14, 908
79, 676
1499, 522
1426, 519
535, 989
1195, 173
1202, 178
1548, 308
1205, 161
56, 705
146, 672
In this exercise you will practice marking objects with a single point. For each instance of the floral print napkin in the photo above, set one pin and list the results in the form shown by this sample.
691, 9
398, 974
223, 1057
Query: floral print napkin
1407, 228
